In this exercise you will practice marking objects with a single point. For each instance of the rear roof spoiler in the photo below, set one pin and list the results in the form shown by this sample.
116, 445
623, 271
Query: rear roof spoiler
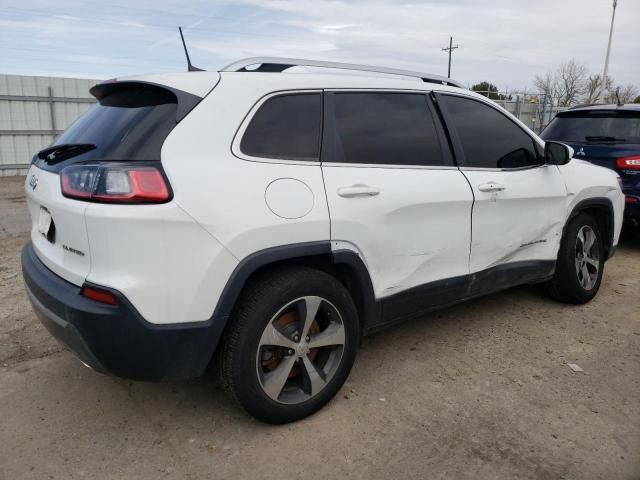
147, 93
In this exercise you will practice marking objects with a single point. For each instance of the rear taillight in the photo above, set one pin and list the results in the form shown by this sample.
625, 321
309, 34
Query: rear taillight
630, 200
114, 183
628, 163
99, 295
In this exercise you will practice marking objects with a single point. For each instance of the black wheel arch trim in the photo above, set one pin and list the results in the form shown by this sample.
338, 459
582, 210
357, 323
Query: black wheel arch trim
251, 264
369, 308
597, 202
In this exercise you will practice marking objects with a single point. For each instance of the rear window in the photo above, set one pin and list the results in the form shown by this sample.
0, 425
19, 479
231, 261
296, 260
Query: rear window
285, 127
595, 127
130, 122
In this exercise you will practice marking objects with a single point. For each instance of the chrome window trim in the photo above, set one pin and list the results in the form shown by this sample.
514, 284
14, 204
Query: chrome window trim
389, 166
416, 91
518, 169
237, 139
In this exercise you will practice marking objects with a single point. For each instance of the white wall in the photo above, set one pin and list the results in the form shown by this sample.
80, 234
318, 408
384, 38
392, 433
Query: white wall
19, 116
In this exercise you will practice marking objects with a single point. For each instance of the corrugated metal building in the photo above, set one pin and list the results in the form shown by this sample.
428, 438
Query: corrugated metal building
33, 111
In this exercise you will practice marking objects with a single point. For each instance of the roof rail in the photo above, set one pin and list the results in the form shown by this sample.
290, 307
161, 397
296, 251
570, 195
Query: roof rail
276, 64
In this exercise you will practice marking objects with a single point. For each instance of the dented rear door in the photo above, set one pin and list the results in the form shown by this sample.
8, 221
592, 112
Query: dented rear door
395, 196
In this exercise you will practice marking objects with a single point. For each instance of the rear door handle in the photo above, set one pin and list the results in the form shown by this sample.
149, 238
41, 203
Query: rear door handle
358, 190
491, 187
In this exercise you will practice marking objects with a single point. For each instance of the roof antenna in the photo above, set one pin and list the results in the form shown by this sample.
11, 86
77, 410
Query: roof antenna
618, 97
190, 67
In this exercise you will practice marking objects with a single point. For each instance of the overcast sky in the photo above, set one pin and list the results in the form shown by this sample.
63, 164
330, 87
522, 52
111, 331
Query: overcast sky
506, 42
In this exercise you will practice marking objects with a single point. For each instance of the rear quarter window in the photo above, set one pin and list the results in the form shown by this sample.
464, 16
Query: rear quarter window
285, 127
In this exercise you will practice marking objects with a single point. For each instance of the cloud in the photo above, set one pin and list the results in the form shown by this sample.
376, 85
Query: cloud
502, 41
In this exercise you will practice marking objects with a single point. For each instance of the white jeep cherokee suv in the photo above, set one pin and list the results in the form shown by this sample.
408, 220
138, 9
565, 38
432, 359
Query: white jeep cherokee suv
267, 220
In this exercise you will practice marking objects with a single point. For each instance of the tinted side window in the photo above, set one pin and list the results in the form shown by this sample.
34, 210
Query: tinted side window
287, 127
384, 128
489, 139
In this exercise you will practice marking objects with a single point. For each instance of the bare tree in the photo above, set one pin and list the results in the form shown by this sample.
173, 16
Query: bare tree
593, 87
547, 84
626, 94
571, 78
565, 85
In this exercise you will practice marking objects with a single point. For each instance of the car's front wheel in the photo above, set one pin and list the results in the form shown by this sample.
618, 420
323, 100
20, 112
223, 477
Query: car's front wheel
580, 263
290, 344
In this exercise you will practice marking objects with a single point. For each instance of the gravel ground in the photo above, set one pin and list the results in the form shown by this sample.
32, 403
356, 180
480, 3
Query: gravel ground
478, 391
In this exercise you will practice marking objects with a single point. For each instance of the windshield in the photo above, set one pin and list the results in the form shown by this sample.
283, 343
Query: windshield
594, 128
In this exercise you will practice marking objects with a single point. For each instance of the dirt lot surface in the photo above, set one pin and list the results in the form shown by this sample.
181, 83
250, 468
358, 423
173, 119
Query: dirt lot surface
479, 391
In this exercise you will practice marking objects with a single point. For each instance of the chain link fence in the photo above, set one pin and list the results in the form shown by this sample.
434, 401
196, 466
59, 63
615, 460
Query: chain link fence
534, 110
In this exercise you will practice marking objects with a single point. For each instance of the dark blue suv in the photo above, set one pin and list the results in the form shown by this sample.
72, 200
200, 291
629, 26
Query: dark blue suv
607, 135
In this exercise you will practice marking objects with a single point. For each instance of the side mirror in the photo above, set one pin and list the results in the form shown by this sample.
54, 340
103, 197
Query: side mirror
556, 153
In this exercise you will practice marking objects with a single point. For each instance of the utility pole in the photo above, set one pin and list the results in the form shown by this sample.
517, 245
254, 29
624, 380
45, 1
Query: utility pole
450, 50
606, 59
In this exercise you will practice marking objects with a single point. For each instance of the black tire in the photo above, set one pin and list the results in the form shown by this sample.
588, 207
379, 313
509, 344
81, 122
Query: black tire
566, 285
241, 375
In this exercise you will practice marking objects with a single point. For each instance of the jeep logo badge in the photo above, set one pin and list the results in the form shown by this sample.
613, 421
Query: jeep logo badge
33, 182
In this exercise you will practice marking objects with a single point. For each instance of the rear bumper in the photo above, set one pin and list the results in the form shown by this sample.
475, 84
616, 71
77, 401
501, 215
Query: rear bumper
116, 340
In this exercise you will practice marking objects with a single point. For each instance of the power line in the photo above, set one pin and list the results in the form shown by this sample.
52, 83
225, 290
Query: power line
450, 49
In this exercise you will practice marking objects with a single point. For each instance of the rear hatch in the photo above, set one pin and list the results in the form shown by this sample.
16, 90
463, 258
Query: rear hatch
126, 129
58, 231
607, 137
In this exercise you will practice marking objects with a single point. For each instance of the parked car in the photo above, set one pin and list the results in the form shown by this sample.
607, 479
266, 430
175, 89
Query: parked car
264, 221
609, 136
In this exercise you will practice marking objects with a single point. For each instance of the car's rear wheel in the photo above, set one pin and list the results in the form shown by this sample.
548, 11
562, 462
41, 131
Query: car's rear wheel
580, 262
290, 344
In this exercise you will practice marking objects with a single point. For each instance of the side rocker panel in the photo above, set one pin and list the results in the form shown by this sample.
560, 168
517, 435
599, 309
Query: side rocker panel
377, 314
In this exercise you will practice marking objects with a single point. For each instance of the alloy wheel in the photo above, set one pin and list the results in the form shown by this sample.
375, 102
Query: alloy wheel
587, 258
300, 350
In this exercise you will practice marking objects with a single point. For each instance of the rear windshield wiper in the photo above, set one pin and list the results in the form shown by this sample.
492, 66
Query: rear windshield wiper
603, 138
57, 153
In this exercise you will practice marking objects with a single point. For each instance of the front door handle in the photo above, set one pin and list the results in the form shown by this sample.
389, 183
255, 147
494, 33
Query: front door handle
358, 190
491, 187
